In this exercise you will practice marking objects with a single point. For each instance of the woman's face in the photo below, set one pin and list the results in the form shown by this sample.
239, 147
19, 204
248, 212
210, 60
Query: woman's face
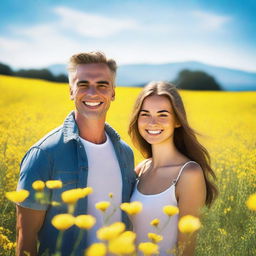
156, 122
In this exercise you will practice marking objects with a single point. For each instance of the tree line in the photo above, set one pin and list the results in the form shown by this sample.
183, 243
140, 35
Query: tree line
186, 79
33, 73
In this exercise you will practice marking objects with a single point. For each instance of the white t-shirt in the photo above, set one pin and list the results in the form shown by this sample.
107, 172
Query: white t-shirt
104, 176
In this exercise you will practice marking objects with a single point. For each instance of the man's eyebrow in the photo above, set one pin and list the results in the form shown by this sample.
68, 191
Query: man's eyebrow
82, 82
98, 82
103, 82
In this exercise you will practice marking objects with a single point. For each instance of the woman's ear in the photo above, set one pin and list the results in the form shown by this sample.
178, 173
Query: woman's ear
177, 123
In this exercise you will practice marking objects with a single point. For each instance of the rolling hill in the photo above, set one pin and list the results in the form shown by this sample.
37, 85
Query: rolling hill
140, 74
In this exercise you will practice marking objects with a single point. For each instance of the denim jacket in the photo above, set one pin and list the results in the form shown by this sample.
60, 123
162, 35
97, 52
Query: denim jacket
60, 155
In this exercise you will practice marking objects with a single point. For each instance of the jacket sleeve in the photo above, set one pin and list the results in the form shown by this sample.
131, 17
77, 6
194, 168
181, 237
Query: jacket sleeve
34, 166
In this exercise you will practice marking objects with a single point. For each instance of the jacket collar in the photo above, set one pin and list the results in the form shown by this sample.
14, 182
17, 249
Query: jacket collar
71, 131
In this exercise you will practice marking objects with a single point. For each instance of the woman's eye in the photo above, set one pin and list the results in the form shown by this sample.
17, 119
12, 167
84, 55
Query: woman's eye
163, 115
143, 114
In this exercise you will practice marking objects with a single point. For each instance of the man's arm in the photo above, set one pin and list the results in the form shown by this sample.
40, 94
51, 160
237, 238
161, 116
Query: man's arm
29, 222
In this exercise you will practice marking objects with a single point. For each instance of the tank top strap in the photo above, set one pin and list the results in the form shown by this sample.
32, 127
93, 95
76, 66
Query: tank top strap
143, 167
180, 172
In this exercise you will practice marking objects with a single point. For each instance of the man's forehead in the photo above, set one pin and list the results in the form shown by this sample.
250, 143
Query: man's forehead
93, 67
94, 71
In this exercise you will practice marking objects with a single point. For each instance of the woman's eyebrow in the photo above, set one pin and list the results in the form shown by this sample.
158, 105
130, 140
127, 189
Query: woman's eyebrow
163, 111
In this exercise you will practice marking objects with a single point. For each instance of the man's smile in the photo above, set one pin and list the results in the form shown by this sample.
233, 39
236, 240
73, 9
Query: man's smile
92, 104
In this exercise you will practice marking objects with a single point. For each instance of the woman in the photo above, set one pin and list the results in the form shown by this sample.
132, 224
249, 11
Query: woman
176, 170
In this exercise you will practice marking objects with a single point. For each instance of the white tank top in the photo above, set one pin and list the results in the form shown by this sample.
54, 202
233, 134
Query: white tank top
152, 208
104, 176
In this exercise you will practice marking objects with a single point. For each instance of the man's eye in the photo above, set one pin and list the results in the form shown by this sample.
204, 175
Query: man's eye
82, 85
102, 86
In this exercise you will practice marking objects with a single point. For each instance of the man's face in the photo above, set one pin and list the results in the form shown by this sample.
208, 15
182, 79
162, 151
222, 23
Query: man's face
92, 90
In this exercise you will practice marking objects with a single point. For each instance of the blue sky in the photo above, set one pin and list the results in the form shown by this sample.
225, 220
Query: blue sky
38, 33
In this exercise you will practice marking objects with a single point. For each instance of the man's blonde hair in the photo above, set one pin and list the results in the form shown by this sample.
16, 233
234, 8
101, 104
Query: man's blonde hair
90, 58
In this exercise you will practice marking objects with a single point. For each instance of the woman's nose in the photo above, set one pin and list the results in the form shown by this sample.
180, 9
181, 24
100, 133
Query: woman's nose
152, 121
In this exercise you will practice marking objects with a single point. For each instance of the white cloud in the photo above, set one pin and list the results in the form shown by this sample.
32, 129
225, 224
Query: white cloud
53, 42
92, 25
210, 21
9, 44
193, 38
37, 46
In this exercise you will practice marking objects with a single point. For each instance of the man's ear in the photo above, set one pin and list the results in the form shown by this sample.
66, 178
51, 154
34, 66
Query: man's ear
113, 95
71, 92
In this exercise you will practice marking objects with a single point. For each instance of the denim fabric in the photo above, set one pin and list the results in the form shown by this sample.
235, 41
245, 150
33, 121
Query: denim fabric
60, 155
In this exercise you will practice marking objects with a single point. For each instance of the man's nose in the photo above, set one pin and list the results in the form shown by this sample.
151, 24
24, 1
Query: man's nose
91, 90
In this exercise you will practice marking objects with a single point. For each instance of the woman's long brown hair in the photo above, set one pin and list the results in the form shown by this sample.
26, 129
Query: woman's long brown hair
184, 136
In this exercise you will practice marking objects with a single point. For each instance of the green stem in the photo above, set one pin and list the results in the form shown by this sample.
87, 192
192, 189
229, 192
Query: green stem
160, 230
59, 242
71, 208
106, 220
78, 240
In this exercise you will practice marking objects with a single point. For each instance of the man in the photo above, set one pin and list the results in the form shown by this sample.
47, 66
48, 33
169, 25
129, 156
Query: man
84, 151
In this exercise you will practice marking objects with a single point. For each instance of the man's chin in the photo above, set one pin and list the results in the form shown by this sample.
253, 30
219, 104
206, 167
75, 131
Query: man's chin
90, 115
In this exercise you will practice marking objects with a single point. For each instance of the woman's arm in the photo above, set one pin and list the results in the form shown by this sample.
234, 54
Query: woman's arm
191, 195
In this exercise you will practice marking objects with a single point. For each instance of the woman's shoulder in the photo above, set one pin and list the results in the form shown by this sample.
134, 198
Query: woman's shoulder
191, 187
191, 177
191, 171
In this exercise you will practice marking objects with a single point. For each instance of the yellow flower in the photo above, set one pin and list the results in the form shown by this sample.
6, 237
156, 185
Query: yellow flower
251, 202
226, 210
96, 249
38, 185
39, 195
63, 221
110, 232
155, 238
222, 231
110, 195
170, 210
71, 196
87, 191
85, 221
102, 206
148, 248
55, 203
123, 244
189, 224
52, 184
17, 196
132, 208
155, 222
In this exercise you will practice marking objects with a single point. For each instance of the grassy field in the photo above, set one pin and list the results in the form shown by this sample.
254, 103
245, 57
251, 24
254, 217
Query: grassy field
227, 124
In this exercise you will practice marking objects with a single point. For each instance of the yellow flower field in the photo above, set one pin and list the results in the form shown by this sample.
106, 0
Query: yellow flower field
226, 121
